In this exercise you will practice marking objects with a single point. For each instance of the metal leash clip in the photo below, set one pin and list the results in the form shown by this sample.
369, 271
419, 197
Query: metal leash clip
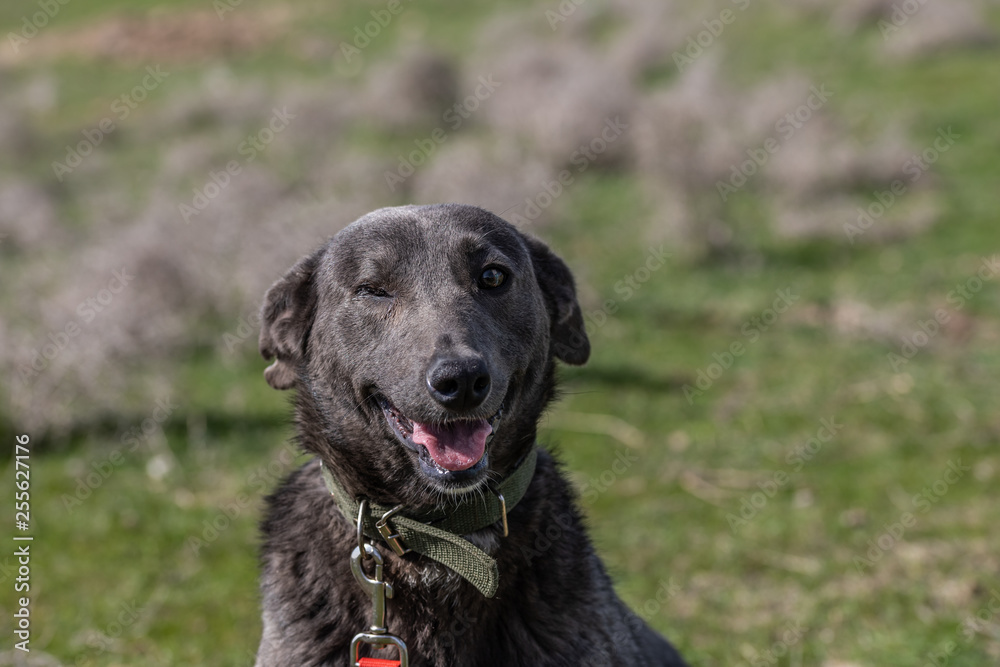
377, 636
391, 537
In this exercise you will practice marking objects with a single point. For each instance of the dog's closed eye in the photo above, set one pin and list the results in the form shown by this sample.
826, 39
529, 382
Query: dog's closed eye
372, 290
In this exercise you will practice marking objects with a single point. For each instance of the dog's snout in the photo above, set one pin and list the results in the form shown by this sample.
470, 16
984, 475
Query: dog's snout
459, 383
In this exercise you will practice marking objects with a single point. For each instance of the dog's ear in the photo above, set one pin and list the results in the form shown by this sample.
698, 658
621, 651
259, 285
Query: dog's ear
285, 320
569, 338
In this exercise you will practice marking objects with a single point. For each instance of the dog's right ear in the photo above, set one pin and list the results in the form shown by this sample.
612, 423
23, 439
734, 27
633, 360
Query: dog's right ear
569, 336
285, 320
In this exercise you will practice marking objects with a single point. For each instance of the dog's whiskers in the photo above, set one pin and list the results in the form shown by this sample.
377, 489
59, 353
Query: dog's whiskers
357, 407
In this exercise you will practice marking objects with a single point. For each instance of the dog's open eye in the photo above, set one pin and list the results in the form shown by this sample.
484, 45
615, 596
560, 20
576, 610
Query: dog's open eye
492, 278
369, 290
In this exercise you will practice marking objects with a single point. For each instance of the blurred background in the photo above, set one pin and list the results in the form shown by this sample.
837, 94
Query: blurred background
781, 216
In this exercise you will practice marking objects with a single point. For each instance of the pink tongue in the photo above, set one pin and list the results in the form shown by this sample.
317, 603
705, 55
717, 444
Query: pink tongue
455, 446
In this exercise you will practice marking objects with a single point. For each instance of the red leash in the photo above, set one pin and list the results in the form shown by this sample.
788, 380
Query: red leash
377, 662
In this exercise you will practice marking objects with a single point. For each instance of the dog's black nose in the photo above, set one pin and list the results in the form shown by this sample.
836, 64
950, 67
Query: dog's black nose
458, 383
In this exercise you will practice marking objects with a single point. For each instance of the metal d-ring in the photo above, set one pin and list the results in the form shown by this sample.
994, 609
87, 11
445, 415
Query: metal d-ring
503, 512
495, 490
362, 511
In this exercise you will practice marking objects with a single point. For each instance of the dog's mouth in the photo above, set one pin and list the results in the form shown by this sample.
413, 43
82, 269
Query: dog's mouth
453, 450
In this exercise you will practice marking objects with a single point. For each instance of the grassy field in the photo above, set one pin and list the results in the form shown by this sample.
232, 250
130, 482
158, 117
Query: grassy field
801, 487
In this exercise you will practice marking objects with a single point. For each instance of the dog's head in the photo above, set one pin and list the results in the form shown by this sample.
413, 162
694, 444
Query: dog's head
422, 340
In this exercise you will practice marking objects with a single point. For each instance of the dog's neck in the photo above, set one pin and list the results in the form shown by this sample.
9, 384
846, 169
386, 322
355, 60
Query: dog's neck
442, 535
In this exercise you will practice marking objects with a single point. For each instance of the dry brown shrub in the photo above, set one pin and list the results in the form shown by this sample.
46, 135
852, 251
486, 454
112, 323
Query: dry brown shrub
555, 94
156, 37
414, 87
495, 175
27, 216
695, 141
939, 26
650, 32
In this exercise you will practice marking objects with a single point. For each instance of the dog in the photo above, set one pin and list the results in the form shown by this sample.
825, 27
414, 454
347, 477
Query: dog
421, 342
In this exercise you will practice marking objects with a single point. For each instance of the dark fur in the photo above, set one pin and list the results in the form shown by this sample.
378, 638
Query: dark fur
338, 345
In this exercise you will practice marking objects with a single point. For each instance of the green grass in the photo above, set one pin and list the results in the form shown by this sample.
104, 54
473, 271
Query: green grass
667, 519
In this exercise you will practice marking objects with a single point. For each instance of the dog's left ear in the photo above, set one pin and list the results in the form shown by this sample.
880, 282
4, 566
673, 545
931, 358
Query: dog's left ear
569, 338
285, 320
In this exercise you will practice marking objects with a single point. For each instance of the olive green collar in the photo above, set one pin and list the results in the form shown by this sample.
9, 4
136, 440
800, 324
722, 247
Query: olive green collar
438, 534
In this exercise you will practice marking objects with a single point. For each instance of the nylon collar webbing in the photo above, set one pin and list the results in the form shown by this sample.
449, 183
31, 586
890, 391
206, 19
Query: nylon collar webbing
438, 535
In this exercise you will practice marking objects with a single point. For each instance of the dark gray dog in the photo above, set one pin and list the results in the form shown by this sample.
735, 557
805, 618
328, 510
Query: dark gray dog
422, 342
